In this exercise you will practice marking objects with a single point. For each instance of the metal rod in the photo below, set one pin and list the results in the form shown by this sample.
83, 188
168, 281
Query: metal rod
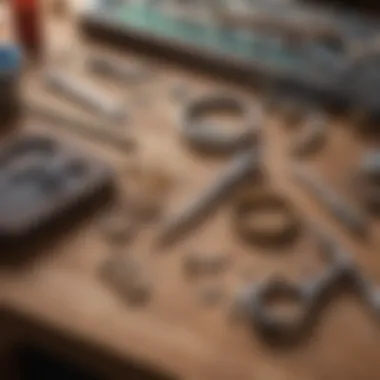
95, 131
242, 168
338, 207
80, 93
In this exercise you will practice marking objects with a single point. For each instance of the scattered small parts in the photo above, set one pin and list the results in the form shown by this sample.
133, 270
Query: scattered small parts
126, 277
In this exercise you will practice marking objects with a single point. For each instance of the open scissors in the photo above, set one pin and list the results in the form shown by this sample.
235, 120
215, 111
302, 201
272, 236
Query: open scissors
310, 295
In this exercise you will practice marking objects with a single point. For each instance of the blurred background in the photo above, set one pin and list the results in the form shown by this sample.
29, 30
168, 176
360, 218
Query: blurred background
189, 189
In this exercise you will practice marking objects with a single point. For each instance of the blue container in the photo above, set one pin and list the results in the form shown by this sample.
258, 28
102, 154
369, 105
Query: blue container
10, 69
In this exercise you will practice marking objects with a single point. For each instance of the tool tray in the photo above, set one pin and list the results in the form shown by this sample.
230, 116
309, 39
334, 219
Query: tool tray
40, 180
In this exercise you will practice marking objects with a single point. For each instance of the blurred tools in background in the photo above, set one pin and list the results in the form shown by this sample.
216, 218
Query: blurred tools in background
42, 178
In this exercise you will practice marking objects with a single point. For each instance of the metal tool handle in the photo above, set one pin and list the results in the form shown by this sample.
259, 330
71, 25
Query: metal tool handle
76, 90
95, 131
117, 71
267, 320
337, 206
309, 295
241, 169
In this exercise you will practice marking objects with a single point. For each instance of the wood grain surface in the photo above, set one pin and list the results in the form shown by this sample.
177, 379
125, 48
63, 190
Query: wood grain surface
58, 297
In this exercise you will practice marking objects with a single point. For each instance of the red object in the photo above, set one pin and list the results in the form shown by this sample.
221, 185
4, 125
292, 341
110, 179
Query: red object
27, 23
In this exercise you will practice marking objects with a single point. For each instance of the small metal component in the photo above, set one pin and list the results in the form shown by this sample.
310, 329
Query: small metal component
126, 277
340, 209
96, 131
196, 264
256, 204
245, 167
206, 137
116, 70
83, 94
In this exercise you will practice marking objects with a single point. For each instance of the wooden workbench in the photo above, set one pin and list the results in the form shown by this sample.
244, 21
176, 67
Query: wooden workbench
58, 301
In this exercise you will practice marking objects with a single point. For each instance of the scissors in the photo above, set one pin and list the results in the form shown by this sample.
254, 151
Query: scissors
310, 296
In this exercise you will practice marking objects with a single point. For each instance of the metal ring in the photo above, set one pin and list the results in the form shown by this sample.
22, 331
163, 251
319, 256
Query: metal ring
267, 321
251, 202
206, 137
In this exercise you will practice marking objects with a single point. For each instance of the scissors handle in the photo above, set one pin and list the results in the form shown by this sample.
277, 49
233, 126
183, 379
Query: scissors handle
274, 325
309, 297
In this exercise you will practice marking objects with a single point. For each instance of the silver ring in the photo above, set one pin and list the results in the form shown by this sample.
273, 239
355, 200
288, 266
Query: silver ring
207, 137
